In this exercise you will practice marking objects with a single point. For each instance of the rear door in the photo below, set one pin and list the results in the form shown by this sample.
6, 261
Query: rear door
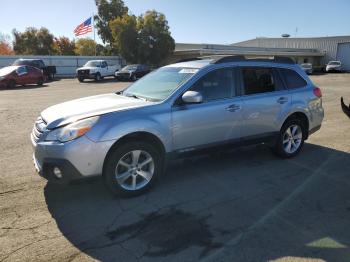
216, 120
264, 101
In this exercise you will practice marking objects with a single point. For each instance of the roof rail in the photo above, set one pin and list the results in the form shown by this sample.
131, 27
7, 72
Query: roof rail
240, 58
188, 59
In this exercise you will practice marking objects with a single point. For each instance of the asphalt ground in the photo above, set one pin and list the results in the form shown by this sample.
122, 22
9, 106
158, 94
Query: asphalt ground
242, 205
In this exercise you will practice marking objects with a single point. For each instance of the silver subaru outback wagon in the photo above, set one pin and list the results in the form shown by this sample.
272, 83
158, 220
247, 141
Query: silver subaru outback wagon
178, 109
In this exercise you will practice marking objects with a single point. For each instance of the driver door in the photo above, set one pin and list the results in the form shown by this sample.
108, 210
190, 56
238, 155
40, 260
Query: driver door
214, 121
23, 77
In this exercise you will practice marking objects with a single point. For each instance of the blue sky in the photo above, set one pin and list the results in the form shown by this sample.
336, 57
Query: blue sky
194, 21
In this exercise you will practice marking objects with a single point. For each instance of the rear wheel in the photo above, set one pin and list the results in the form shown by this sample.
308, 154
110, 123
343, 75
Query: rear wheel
40, 81
11, 83
291, 138
132, 168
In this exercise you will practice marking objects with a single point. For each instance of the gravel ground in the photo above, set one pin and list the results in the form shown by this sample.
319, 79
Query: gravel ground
244, 205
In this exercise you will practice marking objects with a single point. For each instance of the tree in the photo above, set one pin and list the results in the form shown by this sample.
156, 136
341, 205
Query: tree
5, 47
155, 43
33, 41
63, 46
85, 46
125, 37
145, 39
108, 10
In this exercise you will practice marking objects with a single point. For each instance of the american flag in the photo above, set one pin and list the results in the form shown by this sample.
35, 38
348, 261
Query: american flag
84, 28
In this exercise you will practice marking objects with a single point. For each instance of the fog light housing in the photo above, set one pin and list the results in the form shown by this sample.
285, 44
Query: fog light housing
57, 172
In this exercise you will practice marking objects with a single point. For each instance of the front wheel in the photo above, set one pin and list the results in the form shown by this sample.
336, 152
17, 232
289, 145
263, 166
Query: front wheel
11, 83
133, 78
291, 139
132, 168
97, 77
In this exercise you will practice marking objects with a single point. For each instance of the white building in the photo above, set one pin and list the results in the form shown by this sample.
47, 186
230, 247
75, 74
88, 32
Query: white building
334, 48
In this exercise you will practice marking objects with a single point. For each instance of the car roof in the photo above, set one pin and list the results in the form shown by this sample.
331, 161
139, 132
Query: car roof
192, 64
29, 59
198, 64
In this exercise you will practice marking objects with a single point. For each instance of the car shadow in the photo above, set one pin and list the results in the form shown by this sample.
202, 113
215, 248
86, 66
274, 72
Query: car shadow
243, 205
19, 87
104, 80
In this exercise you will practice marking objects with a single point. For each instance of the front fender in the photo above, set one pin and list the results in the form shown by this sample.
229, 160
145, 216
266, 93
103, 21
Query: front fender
116, 127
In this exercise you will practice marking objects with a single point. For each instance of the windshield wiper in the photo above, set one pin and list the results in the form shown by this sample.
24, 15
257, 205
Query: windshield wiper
135, 96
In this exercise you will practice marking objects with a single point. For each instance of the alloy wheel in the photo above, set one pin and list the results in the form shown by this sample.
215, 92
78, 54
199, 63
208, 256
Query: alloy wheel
134, 170
292, 139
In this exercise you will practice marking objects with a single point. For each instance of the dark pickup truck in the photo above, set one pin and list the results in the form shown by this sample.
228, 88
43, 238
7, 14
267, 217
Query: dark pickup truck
48, 71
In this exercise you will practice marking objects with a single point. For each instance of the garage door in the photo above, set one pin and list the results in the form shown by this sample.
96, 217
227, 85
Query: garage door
343, 55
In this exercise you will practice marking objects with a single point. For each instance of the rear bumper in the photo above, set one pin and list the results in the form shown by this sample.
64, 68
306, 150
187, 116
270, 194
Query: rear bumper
315, 129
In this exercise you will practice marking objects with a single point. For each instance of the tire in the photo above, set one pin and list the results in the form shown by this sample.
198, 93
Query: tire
98, 77
287, 146
115, 75
11, 84
133, 78
121, 162
81, 79
40, 81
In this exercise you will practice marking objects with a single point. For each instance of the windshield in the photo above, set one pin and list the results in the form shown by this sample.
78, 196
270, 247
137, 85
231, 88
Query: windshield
159, 84
334, 63
93, 64
130, 67
21, 62
306, 65
7, 70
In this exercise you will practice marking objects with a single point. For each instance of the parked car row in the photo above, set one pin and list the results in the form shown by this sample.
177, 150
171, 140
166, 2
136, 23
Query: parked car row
26, 72
332, 66
11, 76
98, 69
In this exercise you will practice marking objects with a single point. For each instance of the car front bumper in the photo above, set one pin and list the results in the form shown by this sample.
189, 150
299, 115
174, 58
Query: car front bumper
76, 159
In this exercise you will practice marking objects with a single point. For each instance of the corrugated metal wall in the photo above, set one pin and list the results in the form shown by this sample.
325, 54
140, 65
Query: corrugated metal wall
328, 44
65, 65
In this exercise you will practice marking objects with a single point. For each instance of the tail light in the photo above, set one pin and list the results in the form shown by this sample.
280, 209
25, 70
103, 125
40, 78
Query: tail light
317, 92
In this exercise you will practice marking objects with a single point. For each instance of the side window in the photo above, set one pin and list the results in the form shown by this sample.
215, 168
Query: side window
293, 79
217, 84
260, 80
22, 70
41, 64
104, 64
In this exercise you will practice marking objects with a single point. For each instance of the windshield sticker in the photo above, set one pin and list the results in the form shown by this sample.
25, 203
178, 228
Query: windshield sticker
188, 71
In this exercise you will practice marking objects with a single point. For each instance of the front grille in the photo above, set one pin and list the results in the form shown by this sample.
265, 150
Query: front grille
38, 129
124, 74
85, 72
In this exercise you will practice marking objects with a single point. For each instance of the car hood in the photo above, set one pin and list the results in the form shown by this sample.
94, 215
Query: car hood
87, 68
126, 71
5, 71
68, 112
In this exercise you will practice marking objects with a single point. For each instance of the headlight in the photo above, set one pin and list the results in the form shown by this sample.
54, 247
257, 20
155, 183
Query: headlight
72, 131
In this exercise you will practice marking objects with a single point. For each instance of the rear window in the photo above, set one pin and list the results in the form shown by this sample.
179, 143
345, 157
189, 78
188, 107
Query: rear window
260, 80
293, 79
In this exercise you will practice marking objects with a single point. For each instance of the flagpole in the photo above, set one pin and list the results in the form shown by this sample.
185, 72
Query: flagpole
93, 24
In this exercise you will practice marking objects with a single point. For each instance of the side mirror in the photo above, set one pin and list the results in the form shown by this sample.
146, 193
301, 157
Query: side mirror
192, 97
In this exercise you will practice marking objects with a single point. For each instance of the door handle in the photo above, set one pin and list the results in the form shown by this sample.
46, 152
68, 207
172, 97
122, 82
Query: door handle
233, 108
282, 100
